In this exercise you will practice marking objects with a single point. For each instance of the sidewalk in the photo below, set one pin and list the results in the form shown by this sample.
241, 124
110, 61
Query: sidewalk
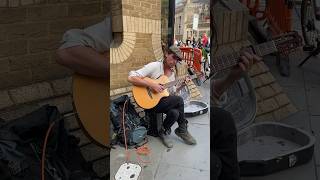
182, 162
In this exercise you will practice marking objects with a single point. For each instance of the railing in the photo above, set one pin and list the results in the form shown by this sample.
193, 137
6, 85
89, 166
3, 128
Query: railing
192, 56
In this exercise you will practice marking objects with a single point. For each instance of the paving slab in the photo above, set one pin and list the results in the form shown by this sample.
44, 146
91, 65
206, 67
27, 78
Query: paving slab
201, 119
192, 156
296, 74
175, 172
118, 157
297, 95
299, 120
312, 77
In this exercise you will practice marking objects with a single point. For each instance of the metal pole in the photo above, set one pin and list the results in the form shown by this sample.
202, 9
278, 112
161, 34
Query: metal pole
172, 6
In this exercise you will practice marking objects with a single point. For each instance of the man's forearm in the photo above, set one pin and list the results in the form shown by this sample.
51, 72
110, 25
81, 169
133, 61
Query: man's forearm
139, 81
86, 61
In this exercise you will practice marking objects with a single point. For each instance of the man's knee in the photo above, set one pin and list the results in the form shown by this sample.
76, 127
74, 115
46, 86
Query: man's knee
179, 100
67, 56
174, 113
63, 57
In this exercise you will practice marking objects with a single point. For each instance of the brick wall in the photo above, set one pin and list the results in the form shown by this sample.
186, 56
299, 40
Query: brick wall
30, 31
138, 24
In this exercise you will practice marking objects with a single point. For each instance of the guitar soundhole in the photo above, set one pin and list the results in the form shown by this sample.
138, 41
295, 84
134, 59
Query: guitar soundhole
149, 93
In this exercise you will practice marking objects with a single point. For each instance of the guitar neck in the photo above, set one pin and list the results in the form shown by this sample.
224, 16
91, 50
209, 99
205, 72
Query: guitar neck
173, 83
226, 61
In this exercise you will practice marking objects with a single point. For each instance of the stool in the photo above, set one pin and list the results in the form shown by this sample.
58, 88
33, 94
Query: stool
155, 121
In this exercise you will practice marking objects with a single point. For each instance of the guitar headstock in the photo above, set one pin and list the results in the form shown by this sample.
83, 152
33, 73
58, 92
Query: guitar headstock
288, 42
194, 73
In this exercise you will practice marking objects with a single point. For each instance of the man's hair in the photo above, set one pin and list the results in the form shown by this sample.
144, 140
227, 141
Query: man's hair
167, 50
164, 47
171, 52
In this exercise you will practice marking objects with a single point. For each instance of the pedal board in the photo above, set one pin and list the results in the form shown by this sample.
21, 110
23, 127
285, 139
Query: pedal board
128, 171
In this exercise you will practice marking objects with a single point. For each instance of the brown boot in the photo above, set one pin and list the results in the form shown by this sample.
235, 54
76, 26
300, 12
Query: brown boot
183, 133
164, 136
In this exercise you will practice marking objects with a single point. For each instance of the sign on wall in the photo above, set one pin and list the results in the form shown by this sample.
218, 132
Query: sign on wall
195, 21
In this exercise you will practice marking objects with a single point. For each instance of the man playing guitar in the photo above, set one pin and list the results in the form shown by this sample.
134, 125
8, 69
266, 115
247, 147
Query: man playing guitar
172, 106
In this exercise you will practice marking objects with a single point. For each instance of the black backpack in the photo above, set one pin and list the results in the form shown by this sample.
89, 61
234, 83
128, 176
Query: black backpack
21, 143
135, 125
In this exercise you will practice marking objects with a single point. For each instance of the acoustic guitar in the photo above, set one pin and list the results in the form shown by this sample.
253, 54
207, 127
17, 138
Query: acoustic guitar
91, 100
147, 99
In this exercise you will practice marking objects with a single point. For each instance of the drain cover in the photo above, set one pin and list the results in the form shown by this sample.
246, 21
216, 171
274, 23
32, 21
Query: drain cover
128, 171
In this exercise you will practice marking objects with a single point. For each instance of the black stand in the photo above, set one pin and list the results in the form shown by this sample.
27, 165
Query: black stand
283, 63
313, 53
155, 121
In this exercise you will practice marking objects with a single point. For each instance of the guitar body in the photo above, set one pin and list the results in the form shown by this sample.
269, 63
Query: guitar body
91, 100
145, 97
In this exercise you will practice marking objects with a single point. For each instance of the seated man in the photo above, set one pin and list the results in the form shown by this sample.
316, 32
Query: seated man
172, 106
86, 51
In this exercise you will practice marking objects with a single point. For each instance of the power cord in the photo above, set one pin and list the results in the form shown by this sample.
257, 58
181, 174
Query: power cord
43, 155
142, 150
124, 132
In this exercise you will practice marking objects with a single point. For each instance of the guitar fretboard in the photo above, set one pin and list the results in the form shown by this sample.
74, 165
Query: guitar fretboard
172, 83
229, 60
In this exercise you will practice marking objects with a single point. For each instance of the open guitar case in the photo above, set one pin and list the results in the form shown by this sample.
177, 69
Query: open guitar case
267, 147
193, 107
